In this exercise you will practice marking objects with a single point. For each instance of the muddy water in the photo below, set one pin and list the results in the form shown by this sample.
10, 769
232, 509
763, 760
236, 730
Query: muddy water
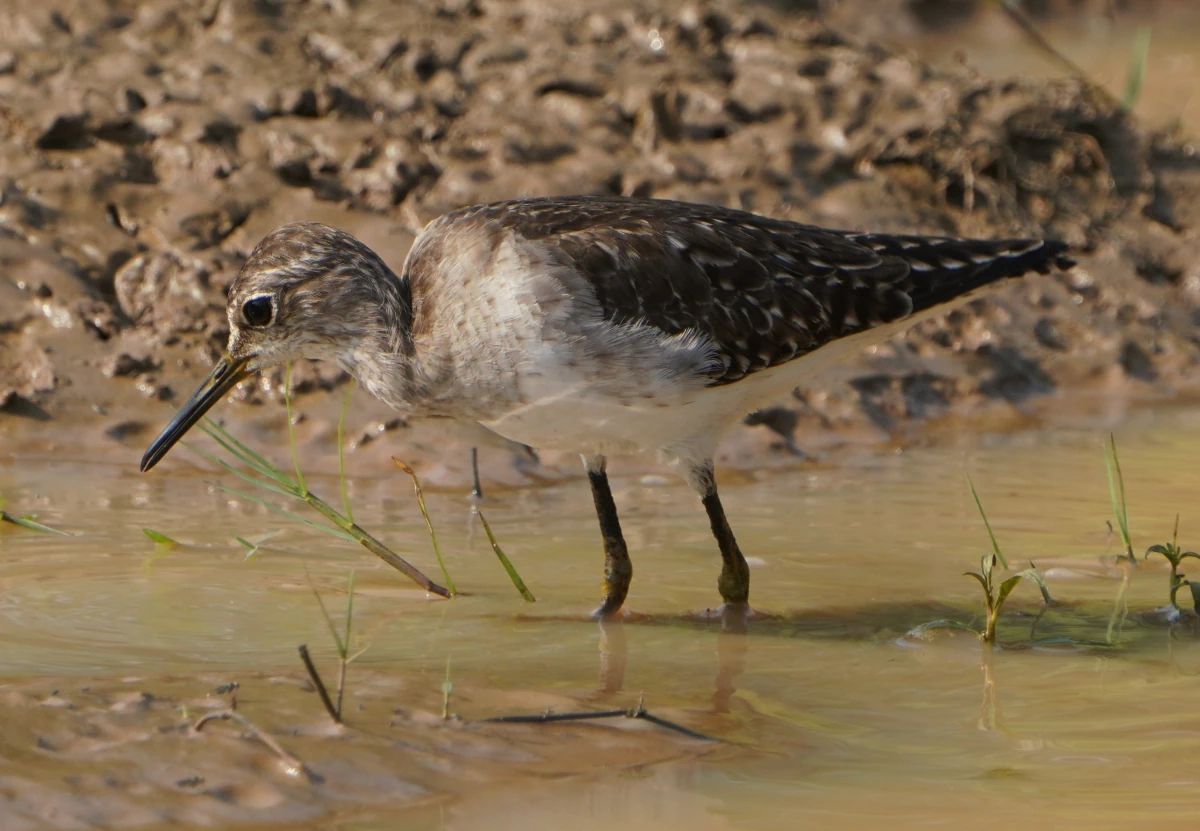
111, 650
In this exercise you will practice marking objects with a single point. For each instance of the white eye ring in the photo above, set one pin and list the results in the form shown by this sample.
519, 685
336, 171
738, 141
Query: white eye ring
259, 311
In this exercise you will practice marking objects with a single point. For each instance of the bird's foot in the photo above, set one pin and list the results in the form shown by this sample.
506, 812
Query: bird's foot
604, 612
733, 617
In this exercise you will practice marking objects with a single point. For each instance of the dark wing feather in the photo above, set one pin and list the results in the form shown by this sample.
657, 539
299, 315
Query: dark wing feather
763, 290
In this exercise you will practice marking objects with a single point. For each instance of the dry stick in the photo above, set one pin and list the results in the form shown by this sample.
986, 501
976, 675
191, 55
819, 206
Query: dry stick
437, 549
635, 712
318, 683
504, 561
296, 766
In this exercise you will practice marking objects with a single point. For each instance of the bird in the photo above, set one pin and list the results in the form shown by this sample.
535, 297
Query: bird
601, 325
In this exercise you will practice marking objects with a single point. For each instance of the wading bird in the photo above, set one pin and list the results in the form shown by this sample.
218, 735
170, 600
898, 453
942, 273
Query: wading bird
600, 325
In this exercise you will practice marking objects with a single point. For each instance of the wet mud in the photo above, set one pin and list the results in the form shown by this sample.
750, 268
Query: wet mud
147, 147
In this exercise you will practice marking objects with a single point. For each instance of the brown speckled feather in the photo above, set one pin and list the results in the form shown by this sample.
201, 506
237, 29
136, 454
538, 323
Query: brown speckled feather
763, 290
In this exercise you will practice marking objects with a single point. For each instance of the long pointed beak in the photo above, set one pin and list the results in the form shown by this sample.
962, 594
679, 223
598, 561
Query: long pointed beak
223, 377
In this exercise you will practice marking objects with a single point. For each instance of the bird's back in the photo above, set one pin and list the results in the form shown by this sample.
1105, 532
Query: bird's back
763, 291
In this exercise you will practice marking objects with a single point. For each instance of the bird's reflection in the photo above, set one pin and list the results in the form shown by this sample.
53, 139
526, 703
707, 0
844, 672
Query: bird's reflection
731, 651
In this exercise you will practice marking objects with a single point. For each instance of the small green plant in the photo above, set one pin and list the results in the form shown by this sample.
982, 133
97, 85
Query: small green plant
1116, 493
1175, 556
994, 596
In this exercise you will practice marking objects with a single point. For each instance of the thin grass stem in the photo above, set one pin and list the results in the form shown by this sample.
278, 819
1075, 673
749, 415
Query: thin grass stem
987, 525
437, 549
287, 404
342, 452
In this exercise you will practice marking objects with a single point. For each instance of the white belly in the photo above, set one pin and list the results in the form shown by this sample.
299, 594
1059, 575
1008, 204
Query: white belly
591, 419
563, 410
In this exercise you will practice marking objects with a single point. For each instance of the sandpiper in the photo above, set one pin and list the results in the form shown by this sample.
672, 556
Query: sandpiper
600, 325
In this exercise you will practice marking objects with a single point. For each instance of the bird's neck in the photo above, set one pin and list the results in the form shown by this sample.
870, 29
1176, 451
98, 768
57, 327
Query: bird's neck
384, 359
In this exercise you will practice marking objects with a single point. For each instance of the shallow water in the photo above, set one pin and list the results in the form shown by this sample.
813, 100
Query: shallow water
831, 712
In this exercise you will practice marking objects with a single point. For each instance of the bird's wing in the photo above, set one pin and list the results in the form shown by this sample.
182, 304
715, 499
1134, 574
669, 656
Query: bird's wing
763, 291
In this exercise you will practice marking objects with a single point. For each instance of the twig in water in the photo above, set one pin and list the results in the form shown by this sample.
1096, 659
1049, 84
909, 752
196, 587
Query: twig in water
637, 711
476, 488
318, 683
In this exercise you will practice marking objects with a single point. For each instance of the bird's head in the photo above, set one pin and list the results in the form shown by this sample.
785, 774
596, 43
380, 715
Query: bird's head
307, 291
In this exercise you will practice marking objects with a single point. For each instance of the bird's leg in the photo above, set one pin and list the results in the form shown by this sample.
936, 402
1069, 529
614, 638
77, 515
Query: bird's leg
734, 582
618, 570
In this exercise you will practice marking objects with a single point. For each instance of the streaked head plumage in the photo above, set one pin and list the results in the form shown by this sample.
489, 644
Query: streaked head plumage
307, 291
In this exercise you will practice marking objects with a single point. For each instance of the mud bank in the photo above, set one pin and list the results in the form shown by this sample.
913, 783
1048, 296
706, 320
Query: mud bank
146, 147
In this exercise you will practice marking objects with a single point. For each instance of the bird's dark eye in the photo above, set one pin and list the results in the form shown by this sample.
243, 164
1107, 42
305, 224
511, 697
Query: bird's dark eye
258, 311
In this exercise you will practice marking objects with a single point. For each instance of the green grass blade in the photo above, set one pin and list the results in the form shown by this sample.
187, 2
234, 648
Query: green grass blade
342, 452
243, 453
336, 532
253, 547
504, 561
1137, 68
987, 525
30, 523
1116, 492
158, 537
241, 473
287, 404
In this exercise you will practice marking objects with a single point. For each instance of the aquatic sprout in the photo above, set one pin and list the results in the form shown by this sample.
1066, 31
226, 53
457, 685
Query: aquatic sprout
994, 596
1175, 556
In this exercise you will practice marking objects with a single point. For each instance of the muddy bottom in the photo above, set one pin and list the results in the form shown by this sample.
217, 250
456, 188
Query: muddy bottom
113, 648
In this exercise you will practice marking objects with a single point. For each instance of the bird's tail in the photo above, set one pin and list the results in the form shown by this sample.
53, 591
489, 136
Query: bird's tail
942, 268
